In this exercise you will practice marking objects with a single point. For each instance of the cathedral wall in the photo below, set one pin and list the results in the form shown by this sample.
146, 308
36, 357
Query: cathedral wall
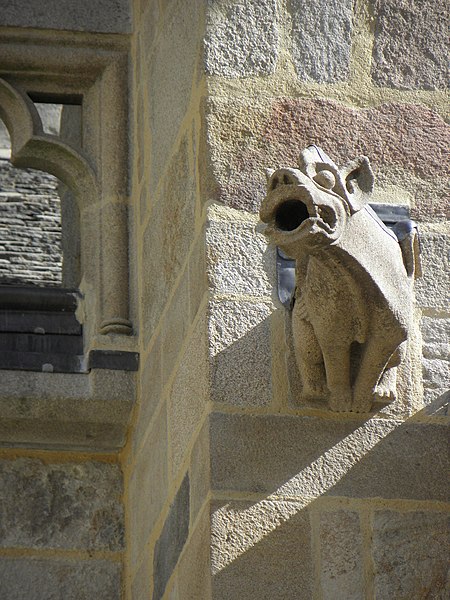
306, 502
206, 473
166, 458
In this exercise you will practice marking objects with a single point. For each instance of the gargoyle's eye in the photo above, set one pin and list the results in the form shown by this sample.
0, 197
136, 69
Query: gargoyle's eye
326, 179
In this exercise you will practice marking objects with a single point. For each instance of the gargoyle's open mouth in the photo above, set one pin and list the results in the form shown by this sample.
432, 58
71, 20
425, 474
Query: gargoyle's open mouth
292, 213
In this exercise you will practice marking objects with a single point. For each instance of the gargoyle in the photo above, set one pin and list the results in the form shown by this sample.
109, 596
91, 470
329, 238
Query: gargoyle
352, 310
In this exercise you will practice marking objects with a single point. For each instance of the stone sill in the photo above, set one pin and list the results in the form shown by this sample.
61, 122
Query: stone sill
66, 410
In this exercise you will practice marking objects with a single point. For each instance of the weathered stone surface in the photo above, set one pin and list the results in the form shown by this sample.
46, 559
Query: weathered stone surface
36, 579
198, 284
103, 16
409, 554
148, 486
432, 288
260, 550
151, 388
174, 592
67, 410
150, 21
171, 541
438, 405
245, 137
171, 74
67, 505
341, 576
175, 327
239, 334
436, 337
189, 394
239, 261
143, 203
418, 26
167, 237
142, 148
241, 38
154, 297
321, 39
409, 377
178, 197
436, 377
309, 457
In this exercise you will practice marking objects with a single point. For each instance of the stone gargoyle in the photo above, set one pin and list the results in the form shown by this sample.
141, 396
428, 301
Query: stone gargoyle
352, 310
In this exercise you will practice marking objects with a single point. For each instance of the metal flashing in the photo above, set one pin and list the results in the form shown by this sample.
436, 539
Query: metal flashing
389, 214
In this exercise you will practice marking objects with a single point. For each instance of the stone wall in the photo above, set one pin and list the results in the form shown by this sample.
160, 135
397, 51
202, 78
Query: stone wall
306, 503
229, 484
61, 526
165, 460
294, 501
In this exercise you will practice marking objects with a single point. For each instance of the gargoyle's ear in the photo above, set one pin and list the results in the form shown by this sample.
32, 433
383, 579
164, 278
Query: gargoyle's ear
358, 179
312, 159
269, 173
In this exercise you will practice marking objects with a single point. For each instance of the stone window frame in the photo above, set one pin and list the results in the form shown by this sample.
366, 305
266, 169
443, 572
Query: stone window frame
89, 409
59, 68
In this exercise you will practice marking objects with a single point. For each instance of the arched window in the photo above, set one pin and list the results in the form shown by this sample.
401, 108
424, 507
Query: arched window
91, 321
30, 217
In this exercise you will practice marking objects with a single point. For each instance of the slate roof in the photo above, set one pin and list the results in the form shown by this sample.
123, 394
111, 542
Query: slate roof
30, 227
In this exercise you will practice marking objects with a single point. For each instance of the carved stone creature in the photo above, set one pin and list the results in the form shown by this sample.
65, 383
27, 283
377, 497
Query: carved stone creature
353, 299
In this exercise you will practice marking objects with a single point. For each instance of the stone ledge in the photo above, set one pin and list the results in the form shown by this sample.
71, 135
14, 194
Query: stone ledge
102, 16
66, 410
310, 457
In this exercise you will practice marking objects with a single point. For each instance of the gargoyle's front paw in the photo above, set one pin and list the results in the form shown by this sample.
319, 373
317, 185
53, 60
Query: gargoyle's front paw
385, 396
385, 390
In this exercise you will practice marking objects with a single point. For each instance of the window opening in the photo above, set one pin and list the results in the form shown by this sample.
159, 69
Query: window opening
39, 259
39, 217
30, 217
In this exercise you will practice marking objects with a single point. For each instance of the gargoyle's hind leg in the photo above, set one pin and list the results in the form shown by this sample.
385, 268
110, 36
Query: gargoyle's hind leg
375, 358
337, 367
309, 360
